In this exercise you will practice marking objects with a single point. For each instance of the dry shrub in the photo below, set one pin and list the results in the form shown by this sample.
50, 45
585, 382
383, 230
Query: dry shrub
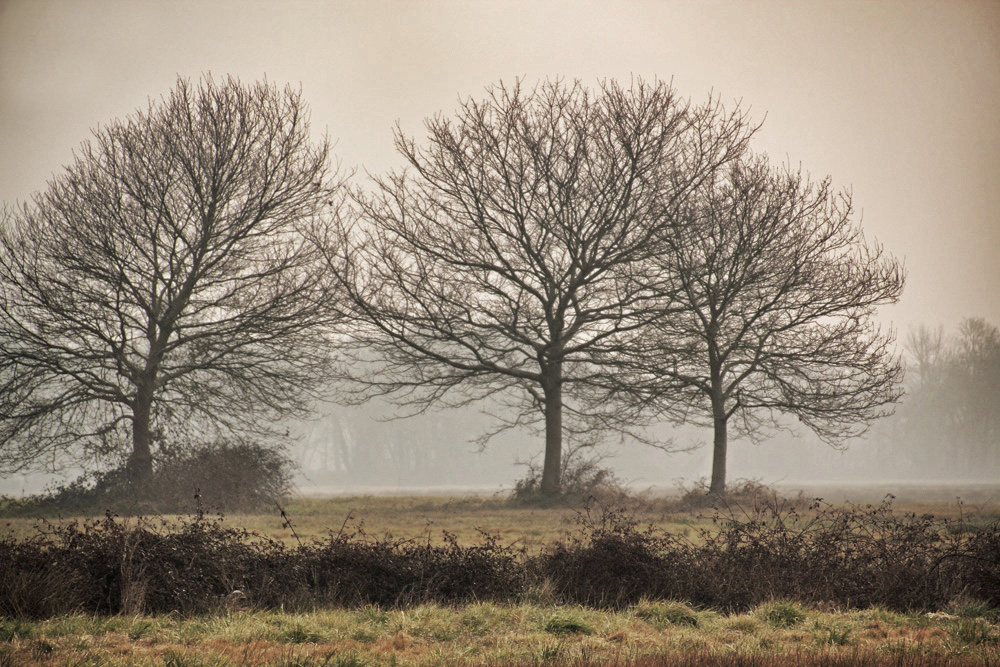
851, 557
111, 566
355, 569
226, 476
745, 493
583, 481
195, 565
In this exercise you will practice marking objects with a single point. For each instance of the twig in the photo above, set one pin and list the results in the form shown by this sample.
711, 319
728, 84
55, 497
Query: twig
287, 522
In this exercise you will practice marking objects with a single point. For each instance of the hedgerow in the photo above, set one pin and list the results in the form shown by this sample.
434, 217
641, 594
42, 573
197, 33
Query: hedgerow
849, 557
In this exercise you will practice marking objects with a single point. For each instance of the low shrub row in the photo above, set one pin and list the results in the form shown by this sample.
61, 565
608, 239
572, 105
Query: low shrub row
198, 565
227, 475
853, 557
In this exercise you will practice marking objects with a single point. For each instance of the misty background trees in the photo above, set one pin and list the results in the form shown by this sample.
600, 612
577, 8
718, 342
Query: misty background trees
930, 438
950, 419
160, 290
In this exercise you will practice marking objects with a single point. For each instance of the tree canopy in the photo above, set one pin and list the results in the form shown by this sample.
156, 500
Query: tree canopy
163, 279
515, 256
774, 312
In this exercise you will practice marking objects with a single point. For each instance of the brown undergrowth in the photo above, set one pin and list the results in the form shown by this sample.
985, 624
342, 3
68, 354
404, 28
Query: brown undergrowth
844, 557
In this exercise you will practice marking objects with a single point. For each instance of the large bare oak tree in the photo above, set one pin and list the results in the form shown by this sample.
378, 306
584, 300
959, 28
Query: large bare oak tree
514, 255
162, 277
777, 292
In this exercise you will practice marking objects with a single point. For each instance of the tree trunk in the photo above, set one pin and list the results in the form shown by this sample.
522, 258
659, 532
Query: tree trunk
552, 469
718, 485
140, 462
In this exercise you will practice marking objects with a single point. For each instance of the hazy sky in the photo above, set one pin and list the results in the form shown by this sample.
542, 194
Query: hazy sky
899, 100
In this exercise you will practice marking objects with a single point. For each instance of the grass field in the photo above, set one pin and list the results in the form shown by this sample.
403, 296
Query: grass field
420, 518
525, 634
535, 631
425, 517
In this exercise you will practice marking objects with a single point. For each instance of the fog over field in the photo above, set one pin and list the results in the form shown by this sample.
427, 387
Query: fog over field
895, 101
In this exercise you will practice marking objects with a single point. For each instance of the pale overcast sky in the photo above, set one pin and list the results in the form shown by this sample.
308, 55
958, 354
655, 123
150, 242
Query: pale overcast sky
898, 100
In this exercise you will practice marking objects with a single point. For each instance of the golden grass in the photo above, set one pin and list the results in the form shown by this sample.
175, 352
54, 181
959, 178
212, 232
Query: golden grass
420, 518
487, 634
426, 517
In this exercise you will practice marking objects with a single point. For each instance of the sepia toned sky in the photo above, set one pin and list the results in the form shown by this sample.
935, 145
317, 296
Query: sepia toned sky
897, 100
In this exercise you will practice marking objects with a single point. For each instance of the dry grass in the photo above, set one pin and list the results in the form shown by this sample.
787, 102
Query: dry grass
423, 517
526, 634
420, 518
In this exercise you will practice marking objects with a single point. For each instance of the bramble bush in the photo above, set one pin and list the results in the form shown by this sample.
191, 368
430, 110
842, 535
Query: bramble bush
851, 557
198, 564
746, 493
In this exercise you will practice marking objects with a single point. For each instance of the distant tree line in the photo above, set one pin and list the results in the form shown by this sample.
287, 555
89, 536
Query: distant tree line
586, 261
951, 413
357, 445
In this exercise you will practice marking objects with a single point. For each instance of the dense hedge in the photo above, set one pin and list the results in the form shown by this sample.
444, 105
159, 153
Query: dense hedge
228, 476
854, 557
851, 557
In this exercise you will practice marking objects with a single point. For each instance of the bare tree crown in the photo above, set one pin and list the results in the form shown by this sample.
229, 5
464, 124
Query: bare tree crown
513, 257
164, 276
777, 288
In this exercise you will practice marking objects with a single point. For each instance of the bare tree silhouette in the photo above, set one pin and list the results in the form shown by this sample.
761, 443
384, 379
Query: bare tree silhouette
163, 277
777, 289
515, 255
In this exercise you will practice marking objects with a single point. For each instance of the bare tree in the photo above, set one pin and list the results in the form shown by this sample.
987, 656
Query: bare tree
778, 288
162, 278
925, 346
513, 257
